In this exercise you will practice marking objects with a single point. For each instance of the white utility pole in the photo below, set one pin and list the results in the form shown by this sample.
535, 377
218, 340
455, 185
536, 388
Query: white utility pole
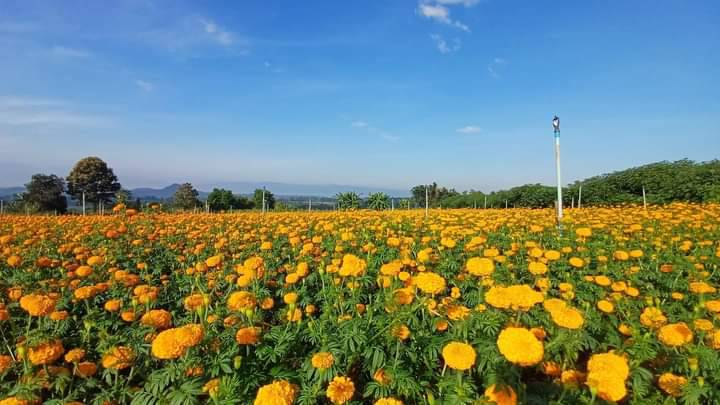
309, 204
427, 204
580, 198
644, 199
392, 204
263, 200
83, 203
485, 204
556, 130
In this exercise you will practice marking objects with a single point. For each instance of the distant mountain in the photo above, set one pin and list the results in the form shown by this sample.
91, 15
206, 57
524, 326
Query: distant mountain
315, 190
7, 192
159, 193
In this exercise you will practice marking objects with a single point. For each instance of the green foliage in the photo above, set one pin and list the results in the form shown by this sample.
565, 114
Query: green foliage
348, 200
186, 197
378, 201
46, 192
92, 176
258, 199
435, 194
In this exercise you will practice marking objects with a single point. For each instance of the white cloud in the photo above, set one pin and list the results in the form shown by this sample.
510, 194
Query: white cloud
470, 129
217, 33
443, 46
65, 52
147, 86
495, 66
28, 111
359, 124
441, 13
466, 3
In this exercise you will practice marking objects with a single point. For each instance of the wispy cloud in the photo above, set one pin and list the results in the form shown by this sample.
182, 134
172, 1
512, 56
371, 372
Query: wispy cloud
145, 85
439, 12
26, 111
466, 3
443, 46
217, 33
495, 66
370, 129
469, 129
65, 52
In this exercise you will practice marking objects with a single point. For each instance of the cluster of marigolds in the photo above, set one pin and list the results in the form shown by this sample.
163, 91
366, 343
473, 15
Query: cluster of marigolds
392, 308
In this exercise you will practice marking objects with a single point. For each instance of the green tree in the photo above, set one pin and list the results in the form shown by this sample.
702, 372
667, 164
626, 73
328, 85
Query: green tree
435, 194
405, 203
93, 177
348, 200
221, 199
378, 201
243, 203
258, 199
186, 197
46, 193
123, 196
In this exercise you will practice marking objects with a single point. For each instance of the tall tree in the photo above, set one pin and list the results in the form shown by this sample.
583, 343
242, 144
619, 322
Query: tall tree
92, 176
123, 196
348, 200
269, 199
378, 201
186, 197
221, 199
46, 192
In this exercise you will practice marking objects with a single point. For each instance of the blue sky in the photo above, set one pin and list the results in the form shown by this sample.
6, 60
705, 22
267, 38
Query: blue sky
374, 93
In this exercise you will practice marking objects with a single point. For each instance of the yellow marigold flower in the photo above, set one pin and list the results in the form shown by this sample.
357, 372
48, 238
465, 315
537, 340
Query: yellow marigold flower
279, 392
401, 332
552, 255
457, 312
194, 301
625, 329
37, 305
340, 390
391, 269
701, 287
672, 384
583, 232
480, 266
621, 255
712, 305
213, 261
607, 373
675, 334
537, 268
381, 377
568, 317
248, 336
572, 378
715, 340
173, 343
86, 369
652, 317
459, 356
388, 401
703, 325
74, 355
157, 318
241, 300
554, 304
501, 395
551, 368
212, 387
517, 297
429, 282
576, 262
113, 305
352, 266
606, 306
5, 363
118, 358
520, 346
322, 360
290, 298
46, 352
602, 281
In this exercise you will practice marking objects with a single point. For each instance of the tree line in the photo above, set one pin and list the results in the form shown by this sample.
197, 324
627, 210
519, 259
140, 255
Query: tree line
91, 180
663, 182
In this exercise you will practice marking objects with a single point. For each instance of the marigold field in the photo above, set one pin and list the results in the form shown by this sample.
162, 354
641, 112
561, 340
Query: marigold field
389, 308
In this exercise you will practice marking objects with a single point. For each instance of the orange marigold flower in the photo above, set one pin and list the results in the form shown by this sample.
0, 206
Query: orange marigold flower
37, 305
429, 282
248, 336
46, 353
607, 373
157, 318
480, 266
517, 297
74, 355
458, 355
504, 395
86, 369
672, 384
520, 346
279, 392
322, 360
568, 317
174, 343
118, 358
241, 300
652, 317
388, 401
340, 390
5, 363
675, 334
